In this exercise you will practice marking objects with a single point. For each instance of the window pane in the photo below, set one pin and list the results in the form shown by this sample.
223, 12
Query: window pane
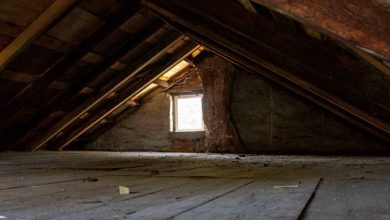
189, 113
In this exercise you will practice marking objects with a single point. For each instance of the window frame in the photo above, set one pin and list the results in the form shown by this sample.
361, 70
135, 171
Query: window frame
174, 111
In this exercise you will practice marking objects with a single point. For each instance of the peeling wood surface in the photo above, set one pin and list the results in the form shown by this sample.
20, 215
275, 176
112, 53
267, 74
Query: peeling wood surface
84, 185
363, 23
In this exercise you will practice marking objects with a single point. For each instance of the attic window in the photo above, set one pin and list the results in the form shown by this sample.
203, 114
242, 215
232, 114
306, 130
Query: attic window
187, 113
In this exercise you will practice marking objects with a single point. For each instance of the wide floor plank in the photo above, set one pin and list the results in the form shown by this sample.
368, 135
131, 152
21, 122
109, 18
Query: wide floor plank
84, 185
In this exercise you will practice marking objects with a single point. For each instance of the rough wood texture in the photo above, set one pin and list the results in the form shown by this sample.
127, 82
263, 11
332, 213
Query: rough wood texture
64, 63
84, 79
126, 95
61, 61
364, 23
217, 77
38, 27
140, 64
84, 185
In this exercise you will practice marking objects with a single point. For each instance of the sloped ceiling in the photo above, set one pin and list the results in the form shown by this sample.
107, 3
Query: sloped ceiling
323, 70
67, 66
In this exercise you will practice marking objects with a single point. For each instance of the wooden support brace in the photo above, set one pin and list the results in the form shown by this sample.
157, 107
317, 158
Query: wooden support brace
62, 65
134, 69
80, 84
127, 95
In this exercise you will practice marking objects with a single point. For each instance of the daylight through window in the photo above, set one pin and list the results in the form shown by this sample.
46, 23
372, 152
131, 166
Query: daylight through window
188, 113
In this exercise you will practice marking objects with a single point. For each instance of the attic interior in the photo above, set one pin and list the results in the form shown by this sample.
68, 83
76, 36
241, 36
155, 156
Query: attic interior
194, 109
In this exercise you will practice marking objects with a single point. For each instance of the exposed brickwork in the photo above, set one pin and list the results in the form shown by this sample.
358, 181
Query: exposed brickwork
217, 76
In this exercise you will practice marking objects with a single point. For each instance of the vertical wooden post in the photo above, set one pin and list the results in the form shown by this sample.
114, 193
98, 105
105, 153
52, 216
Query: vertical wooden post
217, 76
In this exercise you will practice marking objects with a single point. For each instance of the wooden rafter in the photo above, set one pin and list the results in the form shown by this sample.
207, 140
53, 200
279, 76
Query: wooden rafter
354, 49
126, 95
18, 76
238, 39
162, 83
89, 76
362, 23
44, 22
249, 65
369, 58
64, 63
110, 88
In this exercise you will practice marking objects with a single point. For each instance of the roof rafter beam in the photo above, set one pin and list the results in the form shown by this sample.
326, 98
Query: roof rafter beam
64, 63
364, 55
161, 83
85, 79
369, 58
342, 20
129, 93
256, 68
135, 68
38, 27
190, 17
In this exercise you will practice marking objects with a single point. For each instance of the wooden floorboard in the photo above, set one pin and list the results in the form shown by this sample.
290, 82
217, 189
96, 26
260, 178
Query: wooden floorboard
84, 185
134, 206
354, 198
256, 200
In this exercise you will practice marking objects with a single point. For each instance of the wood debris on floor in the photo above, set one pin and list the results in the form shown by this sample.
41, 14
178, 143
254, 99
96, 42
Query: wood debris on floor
134, 185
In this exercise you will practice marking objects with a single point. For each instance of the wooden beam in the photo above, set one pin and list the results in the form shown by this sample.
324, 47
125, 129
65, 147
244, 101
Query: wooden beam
248, 5
64, 63
111, 87
369, 58
132, 103
245, 44
62, 98
355, 50
18, 76
251, 66
307, 58
44, 22
362, 23
129, 93
162, 83
281, 19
